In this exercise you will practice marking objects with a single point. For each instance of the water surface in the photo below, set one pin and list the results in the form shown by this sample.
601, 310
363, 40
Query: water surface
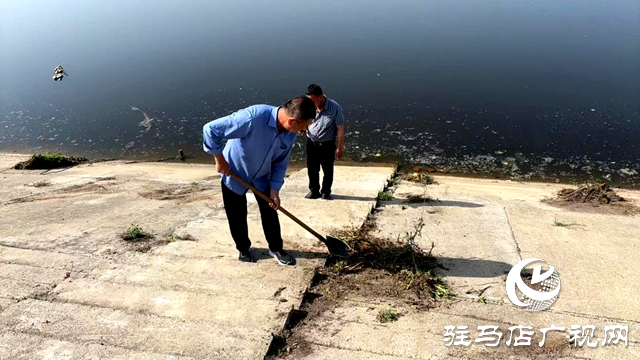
525, 88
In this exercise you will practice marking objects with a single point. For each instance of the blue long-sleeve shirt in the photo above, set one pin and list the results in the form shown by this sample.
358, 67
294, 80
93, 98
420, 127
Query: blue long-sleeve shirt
255, 150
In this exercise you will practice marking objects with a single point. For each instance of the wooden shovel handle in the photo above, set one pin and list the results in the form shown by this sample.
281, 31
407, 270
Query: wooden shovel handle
283, 210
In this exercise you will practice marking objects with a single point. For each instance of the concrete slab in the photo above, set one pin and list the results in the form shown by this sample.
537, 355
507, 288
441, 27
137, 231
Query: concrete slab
136, 332
37, 347
8, 161
51, 260
592, 255
481, 228
5, 303
182, 298
231, 308
353, 330
209, 276
472, 236
22, 289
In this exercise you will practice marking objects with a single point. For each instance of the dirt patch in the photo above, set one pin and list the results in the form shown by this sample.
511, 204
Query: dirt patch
81, 189
48, 161
377, 268
411, 268
598, 198
181, 193
142, 241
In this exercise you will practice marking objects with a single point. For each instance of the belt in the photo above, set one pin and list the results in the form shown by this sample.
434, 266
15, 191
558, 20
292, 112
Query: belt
323, 143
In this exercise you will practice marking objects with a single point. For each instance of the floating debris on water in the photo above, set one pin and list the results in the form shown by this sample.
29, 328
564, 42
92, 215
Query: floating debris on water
59, 73
146, 123
628, 172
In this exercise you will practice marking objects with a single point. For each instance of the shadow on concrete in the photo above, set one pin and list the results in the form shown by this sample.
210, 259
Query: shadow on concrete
434, 203
262, 254
472, 268
355, 198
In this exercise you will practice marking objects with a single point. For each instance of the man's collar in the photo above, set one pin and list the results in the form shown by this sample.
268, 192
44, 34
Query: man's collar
273, 121
325, 101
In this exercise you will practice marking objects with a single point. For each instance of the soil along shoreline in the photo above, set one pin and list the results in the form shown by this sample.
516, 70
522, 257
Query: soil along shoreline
623, 174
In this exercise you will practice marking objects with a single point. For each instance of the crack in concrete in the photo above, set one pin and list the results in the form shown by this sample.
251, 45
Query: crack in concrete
513, 234
331, 346
563, 312
142, 312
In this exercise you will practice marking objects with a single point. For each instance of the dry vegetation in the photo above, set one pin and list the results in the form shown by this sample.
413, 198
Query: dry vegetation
593, 198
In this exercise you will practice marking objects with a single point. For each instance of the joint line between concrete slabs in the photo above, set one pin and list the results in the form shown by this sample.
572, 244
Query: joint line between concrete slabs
331, 346
513, 234
90, 342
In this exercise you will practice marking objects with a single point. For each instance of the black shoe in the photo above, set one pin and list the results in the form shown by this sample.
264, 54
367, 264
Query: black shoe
327, 196
312, 195
245, 256
283, 257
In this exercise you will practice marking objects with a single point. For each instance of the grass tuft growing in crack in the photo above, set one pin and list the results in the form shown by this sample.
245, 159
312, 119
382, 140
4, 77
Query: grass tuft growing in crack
384, 196
135, 233
388, 315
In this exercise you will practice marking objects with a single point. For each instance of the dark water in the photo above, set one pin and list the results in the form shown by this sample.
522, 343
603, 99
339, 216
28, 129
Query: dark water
545, 89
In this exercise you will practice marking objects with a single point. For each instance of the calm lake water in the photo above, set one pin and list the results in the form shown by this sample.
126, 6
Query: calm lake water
545, 89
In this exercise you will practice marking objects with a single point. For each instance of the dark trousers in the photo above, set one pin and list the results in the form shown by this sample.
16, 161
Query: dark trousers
236, 208
320, 155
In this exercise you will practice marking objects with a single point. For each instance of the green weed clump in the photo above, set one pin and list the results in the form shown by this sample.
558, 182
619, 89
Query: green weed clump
51, 160
135, 233
388, 315
384, 196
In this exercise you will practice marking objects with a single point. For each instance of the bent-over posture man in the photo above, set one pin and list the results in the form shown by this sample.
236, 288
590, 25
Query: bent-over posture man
321, 142
258, 149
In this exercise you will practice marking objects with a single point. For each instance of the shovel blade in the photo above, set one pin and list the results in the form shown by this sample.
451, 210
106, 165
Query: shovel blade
336, 247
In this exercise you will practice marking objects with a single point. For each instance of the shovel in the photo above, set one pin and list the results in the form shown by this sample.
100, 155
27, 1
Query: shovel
336, 247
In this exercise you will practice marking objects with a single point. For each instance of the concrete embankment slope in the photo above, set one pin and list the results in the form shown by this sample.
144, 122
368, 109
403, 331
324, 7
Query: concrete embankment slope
481, 229
70, 287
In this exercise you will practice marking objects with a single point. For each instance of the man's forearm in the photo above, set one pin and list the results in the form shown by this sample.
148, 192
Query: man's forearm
340, 137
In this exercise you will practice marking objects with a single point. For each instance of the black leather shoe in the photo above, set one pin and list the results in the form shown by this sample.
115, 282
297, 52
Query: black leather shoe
245, 256
312, 195
327, 196
283, 257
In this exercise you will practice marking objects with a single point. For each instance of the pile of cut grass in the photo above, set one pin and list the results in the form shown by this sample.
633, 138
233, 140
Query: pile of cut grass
411, 267
590, 193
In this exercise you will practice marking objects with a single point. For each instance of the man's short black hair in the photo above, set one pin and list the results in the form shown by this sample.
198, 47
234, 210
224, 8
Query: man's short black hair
301, 108
314, 89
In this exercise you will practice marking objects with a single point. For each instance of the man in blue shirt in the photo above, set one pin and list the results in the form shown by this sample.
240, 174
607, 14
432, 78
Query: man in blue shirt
321, 142
258, 149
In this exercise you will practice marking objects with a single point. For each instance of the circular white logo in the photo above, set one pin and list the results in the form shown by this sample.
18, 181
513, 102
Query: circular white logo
533, 299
